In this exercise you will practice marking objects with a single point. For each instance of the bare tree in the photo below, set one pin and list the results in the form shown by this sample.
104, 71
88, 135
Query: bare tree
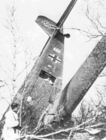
17, 47
16, 56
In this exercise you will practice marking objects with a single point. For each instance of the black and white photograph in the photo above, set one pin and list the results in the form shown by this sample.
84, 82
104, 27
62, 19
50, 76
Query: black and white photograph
52, 70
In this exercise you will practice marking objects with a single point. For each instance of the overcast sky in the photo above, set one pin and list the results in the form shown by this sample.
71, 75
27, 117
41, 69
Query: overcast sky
77, 47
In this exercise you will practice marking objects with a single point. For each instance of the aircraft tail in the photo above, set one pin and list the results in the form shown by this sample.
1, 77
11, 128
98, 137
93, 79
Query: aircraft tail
46, 24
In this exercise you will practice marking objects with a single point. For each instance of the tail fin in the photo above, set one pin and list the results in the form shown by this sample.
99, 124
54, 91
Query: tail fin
46, 24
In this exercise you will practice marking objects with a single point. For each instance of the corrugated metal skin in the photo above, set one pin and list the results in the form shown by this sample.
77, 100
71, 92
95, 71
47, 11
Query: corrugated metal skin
38, 88
85, 76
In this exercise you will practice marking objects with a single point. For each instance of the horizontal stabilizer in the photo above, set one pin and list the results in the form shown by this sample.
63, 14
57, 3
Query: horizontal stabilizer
46, 24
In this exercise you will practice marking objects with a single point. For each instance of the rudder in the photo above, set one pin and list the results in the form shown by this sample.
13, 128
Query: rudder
46, 24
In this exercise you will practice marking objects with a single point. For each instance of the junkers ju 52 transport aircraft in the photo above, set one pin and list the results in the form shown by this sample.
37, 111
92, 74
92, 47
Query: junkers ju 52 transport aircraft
45, 79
